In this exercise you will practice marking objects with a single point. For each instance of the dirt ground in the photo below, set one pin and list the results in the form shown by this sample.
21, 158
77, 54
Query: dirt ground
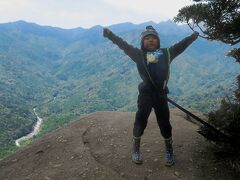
98, 146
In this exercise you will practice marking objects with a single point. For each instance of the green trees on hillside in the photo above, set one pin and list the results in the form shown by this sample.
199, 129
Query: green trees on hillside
66, 77
219, 20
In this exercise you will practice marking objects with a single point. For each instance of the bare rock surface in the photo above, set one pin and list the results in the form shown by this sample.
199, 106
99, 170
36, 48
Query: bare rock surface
98, 146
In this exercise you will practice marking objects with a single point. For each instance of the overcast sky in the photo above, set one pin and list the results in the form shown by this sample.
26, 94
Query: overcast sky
87, 13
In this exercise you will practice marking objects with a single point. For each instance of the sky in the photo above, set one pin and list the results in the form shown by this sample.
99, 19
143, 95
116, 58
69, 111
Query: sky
87, 13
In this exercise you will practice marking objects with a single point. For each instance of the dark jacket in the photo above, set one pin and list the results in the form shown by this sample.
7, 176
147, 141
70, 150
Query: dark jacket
155, 70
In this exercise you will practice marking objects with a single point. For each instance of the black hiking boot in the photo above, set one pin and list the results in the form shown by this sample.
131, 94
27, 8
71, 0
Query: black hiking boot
169, 152
136, 156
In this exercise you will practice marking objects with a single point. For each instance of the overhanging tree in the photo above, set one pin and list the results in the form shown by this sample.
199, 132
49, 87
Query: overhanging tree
219, 20
216, 19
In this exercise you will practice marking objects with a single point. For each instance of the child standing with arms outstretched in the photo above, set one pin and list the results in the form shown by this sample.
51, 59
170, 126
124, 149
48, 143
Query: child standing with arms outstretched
153, 66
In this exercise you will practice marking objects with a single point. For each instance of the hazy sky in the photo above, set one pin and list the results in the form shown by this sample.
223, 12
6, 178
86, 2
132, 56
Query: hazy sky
87, 13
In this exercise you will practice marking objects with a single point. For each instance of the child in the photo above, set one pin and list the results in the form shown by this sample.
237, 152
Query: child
153, 67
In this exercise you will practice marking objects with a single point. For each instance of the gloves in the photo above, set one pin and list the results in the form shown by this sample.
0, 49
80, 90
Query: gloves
195, 34
106, 32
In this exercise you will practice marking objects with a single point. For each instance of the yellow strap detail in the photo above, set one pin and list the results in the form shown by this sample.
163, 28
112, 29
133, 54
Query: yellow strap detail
169, 57
169, 61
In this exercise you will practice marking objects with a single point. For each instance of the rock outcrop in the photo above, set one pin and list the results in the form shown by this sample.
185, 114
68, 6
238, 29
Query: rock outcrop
98, 146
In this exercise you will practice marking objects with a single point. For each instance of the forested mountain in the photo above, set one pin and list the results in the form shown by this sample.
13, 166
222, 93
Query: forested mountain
66, 73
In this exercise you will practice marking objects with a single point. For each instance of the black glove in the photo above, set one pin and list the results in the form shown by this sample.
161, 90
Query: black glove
106, 32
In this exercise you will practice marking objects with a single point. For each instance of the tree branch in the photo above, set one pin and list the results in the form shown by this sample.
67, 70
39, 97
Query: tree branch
234, 43
194, 30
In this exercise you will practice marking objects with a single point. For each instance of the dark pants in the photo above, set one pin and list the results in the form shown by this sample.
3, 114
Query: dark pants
147, 101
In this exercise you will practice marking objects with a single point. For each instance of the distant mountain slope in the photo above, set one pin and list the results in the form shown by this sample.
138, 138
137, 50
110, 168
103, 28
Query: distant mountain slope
69, 73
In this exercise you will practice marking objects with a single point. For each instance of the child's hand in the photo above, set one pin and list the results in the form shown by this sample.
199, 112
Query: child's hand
106, 32
195, 34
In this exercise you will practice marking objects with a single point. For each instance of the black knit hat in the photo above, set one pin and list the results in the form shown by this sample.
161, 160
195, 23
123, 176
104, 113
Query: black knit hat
149, 31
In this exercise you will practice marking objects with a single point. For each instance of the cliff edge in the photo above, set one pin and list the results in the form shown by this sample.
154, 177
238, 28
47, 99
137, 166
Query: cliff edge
98, 146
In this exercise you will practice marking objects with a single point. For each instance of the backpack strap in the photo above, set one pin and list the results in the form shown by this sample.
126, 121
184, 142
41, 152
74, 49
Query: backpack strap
147, 72
167, 55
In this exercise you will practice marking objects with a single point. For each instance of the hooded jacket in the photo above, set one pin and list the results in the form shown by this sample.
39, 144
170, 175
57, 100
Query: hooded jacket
158, 71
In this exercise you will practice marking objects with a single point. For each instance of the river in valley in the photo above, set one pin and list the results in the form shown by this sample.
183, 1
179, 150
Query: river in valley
34, 132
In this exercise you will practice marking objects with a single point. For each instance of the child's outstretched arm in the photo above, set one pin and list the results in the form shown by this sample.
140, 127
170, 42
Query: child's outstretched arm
179, 47
131, 51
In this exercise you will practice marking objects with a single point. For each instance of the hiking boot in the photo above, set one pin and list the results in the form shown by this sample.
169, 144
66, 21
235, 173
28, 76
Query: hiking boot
169, 152
136, 156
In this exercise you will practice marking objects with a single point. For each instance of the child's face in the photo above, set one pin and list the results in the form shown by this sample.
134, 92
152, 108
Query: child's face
150, 42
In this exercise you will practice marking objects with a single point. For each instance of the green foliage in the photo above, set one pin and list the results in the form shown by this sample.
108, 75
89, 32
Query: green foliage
227, 118
219, 20
216, 19
7, 150
55, 121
